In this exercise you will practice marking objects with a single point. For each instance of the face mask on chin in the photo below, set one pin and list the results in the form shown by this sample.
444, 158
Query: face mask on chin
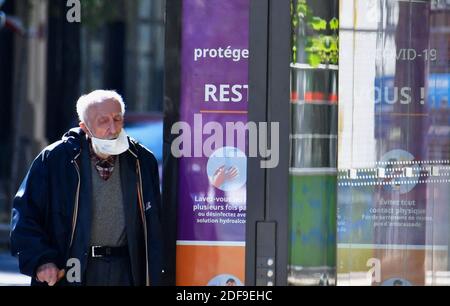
110, 146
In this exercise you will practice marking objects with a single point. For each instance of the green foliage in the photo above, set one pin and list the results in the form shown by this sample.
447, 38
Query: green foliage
334, 24
314, 59
318, 23
319, 47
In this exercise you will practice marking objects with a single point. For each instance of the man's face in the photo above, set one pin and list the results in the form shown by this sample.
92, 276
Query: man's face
104, 120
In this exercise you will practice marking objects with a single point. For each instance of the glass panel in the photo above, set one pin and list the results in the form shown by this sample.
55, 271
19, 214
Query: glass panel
394, 140
314, 106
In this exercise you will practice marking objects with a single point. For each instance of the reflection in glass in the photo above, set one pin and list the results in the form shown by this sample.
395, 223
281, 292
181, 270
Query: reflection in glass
394, 139
314, 100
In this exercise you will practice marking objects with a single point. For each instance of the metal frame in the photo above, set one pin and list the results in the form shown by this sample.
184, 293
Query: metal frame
172, 83
268, 189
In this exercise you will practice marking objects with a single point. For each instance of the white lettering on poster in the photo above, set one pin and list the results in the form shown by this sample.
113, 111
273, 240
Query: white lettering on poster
226, 93
228, 53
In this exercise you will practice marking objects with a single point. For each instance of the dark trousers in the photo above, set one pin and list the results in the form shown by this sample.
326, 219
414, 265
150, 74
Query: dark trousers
109, 271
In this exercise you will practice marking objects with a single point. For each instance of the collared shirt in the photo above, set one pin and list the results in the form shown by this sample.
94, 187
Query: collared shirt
105, 167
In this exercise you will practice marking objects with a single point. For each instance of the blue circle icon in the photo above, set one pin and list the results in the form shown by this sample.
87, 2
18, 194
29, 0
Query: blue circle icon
227, 168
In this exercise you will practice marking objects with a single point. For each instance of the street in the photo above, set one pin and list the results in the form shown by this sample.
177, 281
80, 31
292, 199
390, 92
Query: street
9, 271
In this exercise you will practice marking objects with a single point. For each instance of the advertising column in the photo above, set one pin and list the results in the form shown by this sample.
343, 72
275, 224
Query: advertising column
212, 143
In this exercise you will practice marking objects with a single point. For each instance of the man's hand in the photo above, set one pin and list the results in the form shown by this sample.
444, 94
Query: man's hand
49, 273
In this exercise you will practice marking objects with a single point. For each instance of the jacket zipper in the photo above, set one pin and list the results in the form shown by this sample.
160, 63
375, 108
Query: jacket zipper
144, 222
75, 207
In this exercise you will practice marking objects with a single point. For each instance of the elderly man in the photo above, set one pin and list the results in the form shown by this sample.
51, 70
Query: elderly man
91, 198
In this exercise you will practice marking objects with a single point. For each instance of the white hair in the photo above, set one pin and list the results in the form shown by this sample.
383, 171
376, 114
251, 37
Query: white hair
95, 97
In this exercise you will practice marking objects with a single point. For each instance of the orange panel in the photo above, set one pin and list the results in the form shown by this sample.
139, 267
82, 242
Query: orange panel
200, 265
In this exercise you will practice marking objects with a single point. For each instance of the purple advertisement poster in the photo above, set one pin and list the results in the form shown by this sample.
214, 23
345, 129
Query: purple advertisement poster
212, 142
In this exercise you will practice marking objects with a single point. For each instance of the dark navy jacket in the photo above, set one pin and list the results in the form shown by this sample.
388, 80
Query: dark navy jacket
51, 217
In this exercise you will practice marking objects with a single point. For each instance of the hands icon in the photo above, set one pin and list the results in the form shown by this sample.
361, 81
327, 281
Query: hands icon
224, 175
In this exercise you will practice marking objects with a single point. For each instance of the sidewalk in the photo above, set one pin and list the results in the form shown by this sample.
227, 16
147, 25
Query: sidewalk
4, 235
9, 267
9, 271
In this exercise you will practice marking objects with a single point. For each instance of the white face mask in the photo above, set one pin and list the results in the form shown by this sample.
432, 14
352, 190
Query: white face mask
110, 146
